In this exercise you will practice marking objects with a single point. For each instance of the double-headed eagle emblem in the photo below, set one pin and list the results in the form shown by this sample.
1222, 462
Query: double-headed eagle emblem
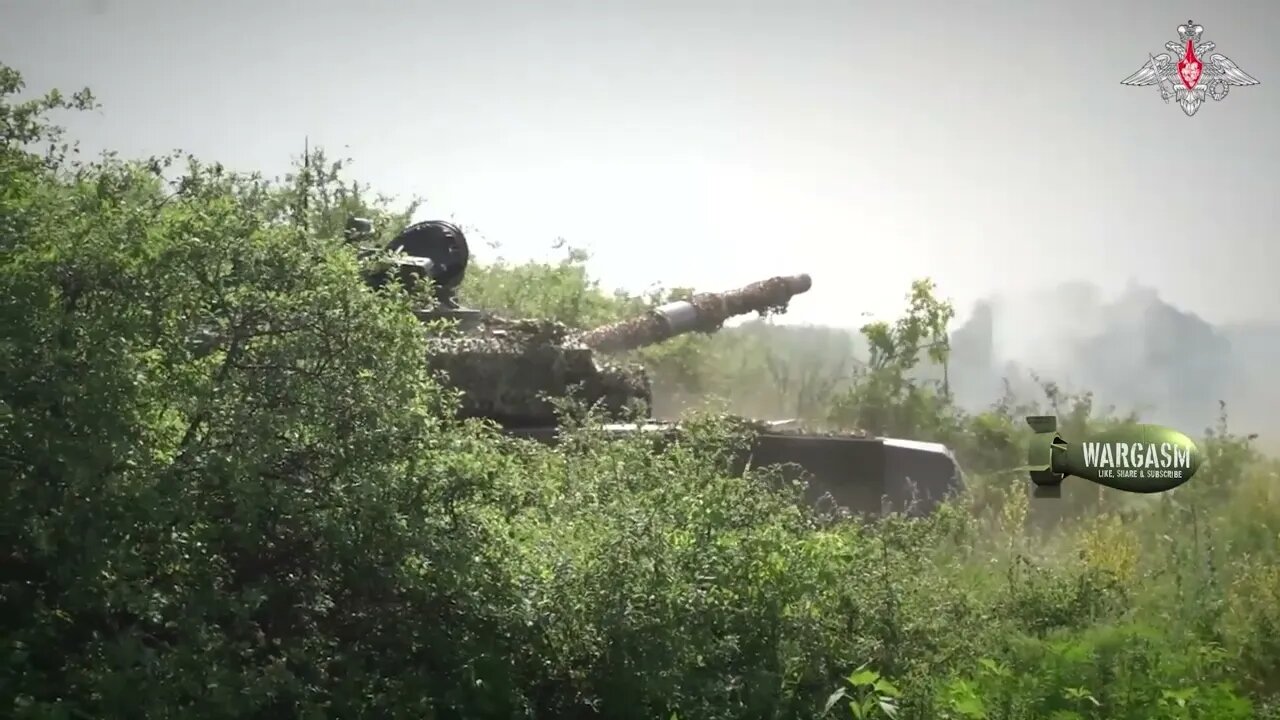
1196, 72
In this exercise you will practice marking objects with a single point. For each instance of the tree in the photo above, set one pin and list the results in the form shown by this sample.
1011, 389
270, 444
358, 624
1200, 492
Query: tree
885, 398
231, 488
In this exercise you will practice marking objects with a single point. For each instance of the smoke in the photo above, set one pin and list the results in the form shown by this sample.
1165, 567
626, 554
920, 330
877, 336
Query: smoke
1134, 351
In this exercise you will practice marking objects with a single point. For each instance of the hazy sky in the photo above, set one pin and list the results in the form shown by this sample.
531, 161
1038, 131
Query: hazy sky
989, 145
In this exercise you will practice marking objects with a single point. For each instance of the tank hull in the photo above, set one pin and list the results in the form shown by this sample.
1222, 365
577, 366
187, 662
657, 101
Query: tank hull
867, 476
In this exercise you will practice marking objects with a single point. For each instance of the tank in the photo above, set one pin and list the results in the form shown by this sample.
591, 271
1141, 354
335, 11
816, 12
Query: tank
514, 372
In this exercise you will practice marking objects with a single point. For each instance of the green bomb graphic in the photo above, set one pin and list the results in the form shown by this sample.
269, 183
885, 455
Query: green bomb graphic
1134, 458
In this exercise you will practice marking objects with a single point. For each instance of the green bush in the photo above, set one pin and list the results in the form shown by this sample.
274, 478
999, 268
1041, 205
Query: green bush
232, 489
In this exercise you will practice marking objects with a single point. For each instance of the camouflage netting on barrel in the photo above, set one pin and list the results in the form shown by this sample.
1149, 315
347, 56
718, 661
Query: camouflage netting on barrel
703, 312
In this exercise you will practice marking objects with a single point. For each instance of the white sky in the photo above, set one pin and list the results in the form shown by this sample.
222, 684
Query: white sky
988, 145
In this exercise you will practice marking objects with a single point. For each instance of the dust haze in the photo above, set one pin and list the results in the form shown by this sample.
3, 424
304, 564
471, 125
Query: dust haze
1131, 348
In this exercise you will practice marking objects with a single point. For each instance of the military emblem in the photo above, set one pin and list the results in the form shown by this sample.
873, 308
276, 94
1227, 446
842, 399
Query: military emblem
1190, 71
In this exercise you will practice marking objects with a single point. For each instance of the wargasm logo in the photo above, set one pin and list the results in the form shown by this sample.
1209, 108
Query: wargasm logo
1132, 458
1135, 459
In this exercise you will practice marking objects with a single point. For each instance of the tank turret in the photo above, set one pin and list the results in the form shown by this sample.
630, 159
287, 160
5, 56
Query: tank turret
511, 370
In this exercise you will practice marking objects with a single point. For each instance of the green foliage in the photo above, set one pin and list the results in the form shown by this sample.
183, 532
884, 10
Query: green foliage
867, 695
218, 447
562, 290
882, 398
231, 489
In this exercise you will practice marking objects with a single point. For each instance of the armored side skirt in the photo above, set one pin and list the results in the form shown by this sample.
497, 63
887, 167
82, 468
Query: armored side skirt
864, 475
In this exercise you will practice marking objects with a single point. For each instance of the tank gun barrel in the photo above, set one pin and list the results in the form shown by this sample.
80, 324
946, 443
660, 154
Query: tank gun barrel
704, 312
